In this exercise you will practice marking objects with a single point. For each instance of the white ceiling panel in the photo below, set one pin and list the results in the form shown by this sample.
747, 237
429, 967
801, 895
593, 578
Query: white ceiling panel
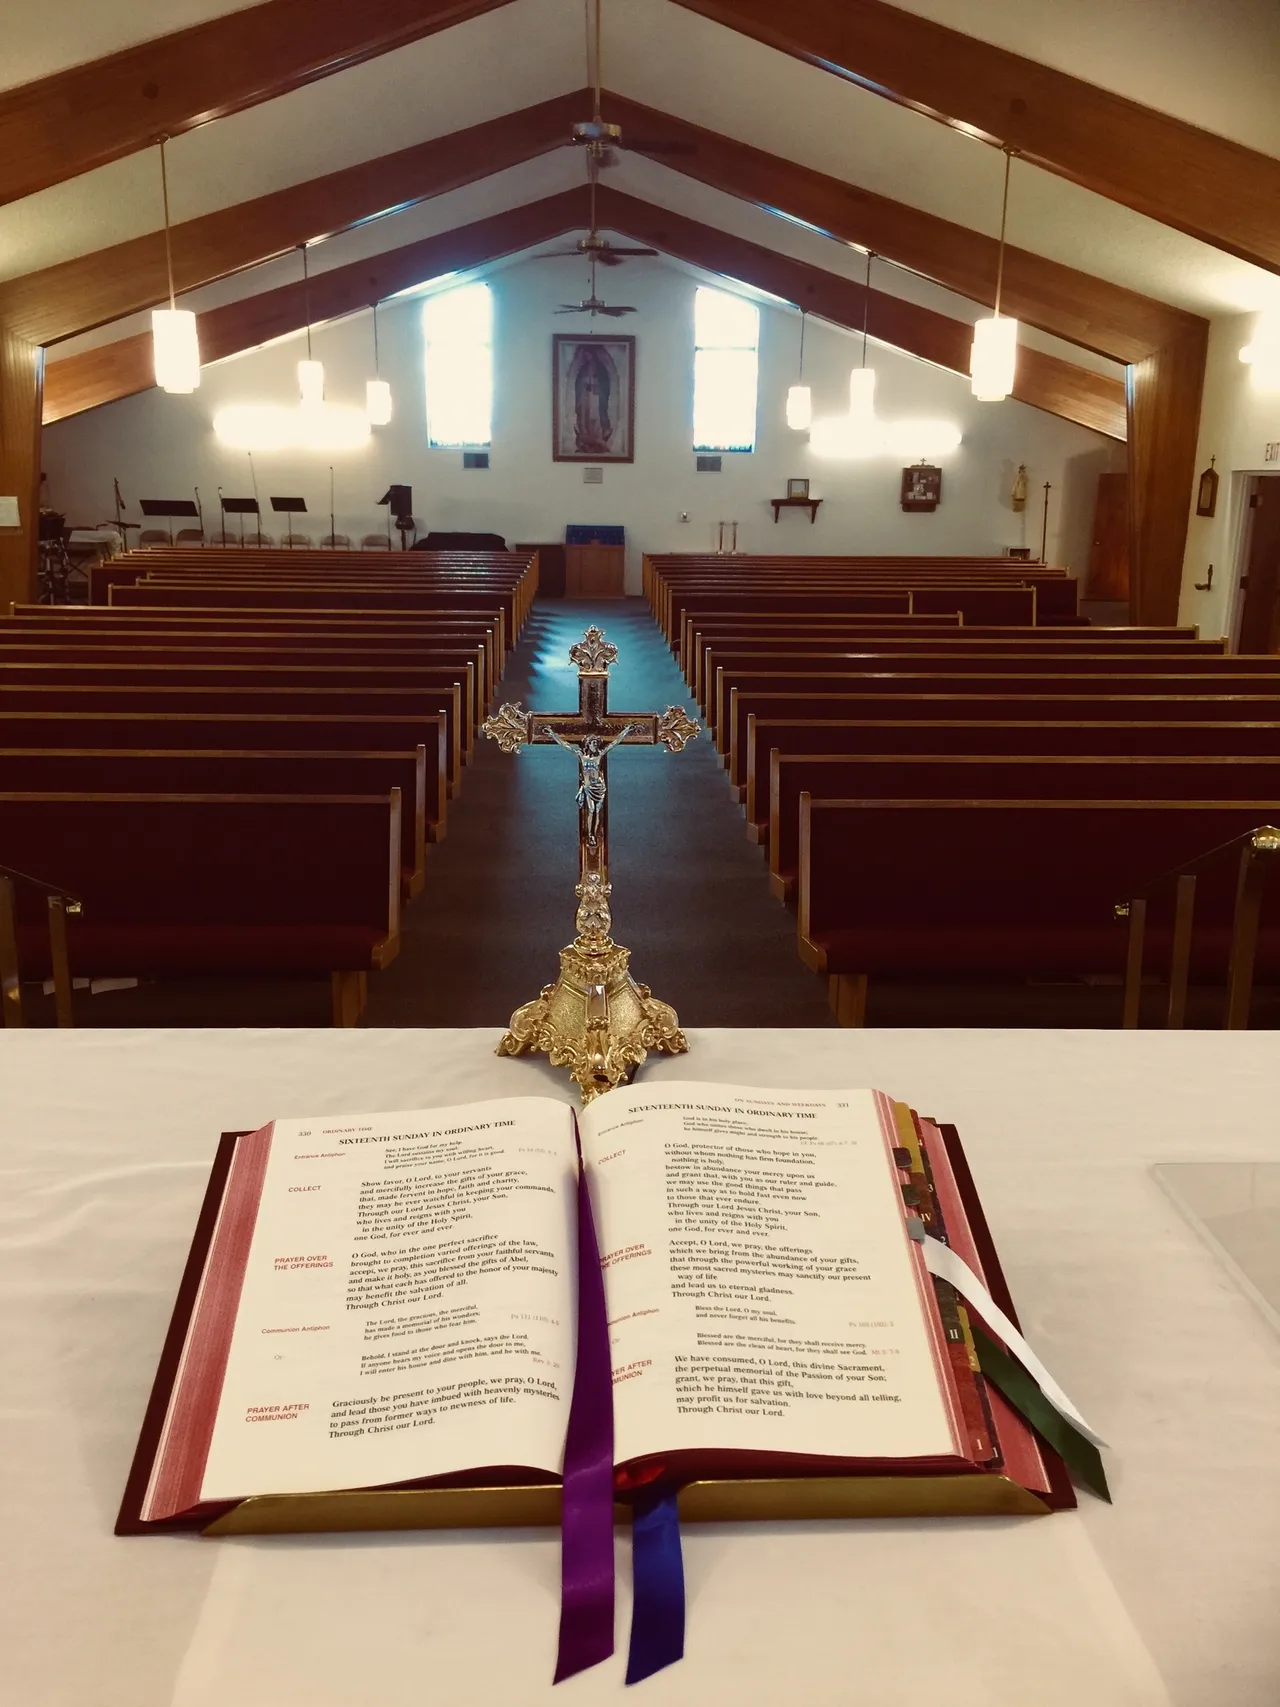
1215, 65
491, 65
61, 33
670, 58
546, 176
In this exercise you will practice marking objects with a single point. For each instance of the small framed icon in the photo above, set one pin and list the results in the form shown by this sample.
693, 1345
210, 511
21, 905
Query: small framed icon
797, 488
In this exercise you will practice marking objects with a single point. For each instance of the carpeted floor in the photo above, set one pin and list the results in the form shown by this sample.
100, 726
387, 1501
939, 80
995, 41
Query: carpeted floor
691, 897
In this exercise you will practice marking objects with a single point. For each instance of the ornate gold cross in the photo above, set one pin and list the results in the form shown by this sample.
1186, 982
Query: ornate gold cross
595, 1018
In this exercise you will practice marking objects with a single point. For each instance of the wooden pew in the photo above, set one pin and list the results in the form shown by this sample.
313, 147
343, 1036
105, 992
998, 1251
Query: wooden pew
121, 770
872, 657
215, 886
1096, 775
1075, 699
771, 739
419, 706
317, 598
1042, 642
55, 623
217, 732
975, 891
341, 663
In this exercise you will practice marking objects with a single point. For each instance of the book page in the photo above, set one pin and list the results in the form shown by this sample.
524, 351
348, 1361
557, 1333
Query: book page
407, 1306
763, 1294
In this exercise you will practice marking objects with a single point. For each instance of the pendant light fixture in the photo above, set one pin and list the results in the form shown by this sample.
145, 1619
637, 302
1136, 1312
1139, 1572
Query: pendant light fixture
799, 397
175, 342
994, 356
862, 381
310, 373
377, 392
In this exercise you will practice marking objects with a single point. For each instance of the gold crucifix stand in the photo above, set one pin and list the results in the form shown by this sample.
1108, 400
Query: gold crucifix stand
595, 1019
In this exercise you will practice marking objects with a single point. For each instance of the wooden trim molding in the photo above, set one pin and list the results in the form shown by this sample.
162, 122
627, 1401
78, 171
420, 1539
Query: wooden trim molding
88, 115
21, 376
1046, 382
1211, 188
115, 370
1116, 322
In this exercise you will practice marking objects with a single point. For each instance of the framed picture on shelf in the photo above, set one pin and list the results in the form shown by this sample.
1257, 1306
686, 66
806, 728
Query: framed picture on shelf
797, 488
593, 411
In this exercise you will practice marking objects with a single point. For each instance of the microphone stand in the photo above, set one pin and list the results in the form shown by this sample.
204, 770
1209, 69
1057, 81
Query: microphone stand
333, 531
224, 519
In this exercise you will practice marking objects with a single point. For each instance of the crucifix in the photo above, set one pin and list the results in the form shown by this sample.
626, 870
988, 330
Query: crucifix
595, 1019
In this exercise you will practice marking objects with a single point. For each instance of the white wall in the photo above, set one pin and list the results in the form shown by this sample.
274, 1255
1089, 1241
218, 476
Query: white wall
160, 445
1238, 420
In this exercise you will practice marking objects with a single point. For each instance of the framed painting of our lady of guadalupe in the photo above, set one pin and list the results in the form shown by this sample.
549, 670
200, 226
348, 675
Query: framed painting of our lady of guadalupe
593, 398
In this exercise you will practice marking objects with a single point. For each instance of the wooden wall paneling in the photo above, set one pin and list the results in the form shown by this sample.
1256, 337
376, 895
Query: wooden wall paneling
116, 370
1211, 188
1164, 393
1085, 310
21, 372
74, 120
1046, 382
92, 290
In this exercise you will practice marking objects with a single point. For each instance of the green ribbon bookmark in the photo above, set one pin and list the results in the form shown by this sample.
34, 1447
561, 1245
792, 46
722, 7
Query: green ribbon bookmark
1081, 1456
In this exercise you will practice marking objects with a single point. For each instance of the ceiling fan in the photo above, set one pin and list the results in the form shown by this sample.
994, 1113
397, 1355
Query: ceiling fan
592, 304
602, 140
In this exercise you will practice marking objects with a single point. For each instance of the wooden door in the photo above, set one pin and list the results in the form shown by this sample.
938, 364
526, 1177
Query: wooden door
1109, 549
1260, 617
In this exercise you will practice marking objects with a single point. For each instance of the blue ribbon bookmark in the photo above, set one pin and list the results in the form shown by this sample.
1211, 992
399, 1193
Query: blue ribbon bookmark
657, 1568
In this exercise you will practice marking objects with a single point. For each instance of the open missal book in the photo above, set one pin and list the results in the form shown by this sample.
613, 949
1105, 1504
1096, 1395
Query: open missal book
376, 1301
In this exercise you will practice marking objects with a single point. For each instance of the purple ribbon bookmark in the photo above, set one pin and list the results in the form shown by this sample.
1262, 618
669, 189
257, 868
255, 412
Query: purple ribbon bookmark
586, 1521
657, 1568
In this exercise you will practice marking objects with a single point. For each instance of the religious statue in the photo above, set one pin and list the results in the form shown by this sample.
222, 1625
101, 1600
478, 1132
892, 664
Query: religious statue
595, 1019
590, 753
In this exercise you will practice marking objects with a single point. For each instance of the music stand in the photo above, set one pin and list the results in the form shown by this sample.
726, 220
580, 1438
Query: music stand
168, 508
289, 507
399, 502
241, 507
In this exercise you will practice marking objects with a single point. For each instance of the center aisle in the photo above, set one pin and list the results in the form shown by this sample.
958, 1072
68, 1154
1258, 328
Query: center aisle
690, 896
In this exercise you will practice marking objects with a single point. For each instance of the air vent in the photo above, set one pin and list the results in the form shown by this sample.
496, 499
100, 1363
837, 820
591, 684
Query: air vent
593, 477
475, 459
708, 465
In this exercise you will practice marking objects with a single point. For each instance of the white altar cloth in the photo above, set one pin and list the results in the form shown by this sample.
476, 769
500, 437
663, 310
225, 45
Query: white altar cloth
1170, 1595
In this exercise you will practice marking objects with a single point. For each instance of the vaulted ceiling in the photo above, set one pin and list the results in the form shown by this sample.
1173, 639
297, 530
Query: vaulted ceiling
1144, 196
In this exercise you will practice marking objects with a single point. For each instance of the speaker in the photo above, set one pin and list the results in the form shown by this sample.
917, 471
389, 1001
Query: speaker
400, 499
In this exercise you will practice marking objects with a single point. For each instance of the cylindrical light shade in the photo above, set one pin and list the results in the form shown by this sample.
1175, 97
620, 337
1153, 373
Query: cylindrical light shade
377, 402
176, 347
862, 394
993, 358
311, 381
799, 408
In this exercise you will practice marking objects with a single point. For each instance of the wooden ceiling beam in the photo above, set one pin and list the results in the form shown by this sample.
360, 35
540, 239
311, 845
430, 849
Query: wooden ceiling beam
92, 290
1092, 312
1091, 399
1211, 188
88, 115
111, 371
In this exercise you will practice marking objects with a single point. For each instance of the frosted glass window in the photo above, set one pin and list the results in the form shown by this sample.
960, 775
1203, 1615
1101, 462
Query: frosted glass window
726, 332
458, 330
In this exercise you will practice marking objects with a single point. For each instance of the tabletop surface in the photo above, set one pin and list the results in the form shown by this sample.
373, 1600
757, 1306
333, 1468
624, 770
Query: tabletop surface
1169, 1595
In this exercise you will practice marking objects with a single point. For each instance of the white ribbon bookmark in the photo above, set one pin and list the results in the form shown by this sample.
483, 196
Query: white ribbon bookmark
942, 1261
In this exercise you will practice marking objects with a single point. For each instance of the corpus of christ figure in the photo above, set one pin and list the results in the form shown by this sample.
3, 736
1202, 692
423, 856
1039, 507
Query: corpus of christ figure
595, 1019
